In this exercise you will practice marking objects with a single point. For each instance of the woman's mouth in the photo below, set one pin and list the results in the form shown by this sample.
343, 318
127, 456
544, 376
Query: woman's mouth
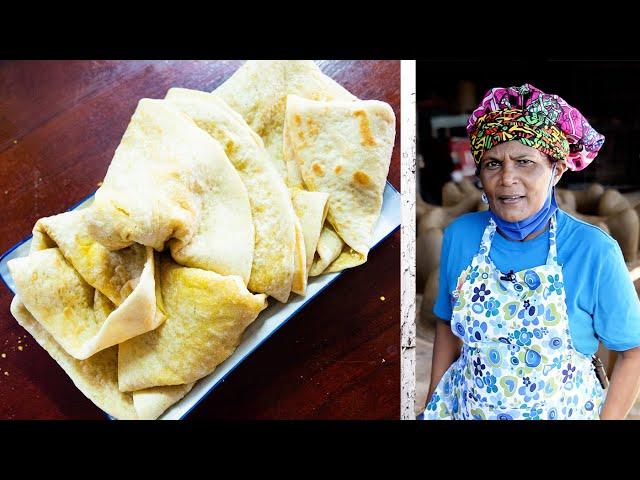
510, 199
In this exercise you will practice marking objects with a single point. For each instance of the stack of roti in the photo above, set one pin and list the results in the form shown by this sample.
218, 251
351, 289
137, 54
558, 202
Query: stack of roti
212, 203
328, 145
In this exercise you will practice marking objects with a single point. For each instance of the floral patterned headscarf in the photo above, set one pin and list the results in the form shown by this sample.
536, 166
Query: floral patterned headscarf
536, 119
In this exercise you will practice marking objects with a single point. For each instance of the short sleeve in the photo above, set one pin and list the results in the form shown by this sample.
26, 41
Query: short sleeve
616, 315
442, 307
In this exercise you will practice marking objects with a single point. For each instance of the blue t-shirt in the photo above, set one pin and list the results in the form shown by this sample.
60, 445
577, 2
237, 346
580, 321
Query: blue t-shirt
602, 302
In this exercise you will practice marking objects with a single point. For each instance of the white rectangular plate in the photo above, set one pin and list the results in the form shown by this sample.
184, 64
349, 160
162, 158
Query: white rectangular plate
269, 320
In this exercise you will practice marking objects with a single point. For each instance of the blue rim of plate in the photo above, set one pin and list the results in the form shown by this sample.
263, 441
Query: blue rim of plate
222, 379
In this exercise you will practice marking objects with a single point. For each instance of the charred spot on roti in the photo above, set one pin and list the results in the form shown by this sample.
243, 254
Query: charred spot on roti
230, 147
361, 178
338, 168
232, 150
367, 138
198, 188
297, 119
313, 127
317, 168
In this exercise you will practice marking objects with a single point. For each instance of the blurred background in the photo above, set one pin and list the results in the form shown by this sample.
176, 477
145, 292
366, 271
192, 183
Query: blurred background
606, 194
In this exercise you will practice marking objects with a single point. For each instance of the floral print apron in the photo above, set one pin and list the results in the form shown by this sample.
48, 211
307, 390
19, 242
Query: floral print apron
517, 359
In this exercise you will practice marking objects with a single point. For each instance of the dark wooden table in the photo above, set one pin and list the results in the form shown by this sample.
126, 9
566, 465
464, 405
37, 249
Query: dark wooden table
60, 123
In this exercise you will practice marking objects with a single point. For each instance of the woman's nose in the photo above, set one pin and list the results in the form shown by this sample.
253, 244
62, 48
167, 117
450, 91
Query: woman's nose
508, 176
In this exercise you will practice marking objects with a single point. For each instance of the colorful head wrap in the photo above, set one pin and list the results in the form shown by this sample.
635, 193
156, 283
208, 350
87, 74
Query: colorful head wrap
536, 119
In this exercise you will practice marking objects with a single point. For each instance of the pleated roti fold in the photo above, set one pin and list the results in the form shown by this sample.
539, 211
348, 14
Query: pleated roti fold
271, 208
344, 149
115, 274
299, 284
311, 209
328, 249
97, 376
206, 315
80, 318
170, 182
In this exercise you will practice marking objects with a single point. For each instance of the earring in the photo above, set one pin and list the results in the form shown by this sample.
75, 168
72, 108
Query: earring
484, 198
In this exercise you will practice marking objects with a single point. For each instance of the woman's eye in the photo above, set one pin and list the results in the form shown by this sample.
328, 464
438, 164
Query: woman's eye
524, 161
492, 164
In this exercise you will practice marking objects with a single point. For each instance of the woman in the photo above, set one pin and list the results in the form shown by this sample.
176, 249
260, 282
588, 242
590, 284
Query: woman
526, 290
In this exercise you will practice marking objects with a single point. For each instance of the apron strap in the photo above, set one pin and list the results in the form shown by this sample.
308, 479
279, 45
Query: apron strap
552, 256
485, 243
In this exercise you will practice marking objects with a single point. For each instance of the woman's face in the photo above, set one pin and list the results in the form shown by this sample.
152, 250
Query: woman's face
516, 179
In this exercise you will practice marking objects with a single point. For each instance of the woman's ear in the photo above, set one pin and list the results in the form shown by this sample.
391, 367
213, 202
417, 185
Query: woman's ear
561, 167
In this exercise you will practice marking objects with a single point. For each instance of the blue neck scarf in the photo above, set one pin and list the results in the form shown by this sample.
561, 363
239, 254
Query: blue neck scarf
518, 231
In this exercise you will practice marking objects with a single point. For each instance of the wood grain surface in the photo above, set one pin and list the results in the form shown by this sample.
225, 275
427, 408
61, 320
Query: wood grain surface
60, 123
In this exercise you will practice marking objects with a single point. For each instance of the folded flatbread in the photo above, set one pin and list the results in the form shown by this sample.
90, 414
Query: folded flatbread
299, 284
311, 209
150, 403
271, 208
258, 91
169, 181
206, 315
96, 377
325, 242
115, 274
80, 318
329, 249
344, 149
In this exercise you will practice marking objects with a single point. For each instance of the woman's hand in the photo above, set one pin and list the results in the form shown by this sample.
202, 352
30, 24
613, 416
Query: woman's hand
623, 386
446, 349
